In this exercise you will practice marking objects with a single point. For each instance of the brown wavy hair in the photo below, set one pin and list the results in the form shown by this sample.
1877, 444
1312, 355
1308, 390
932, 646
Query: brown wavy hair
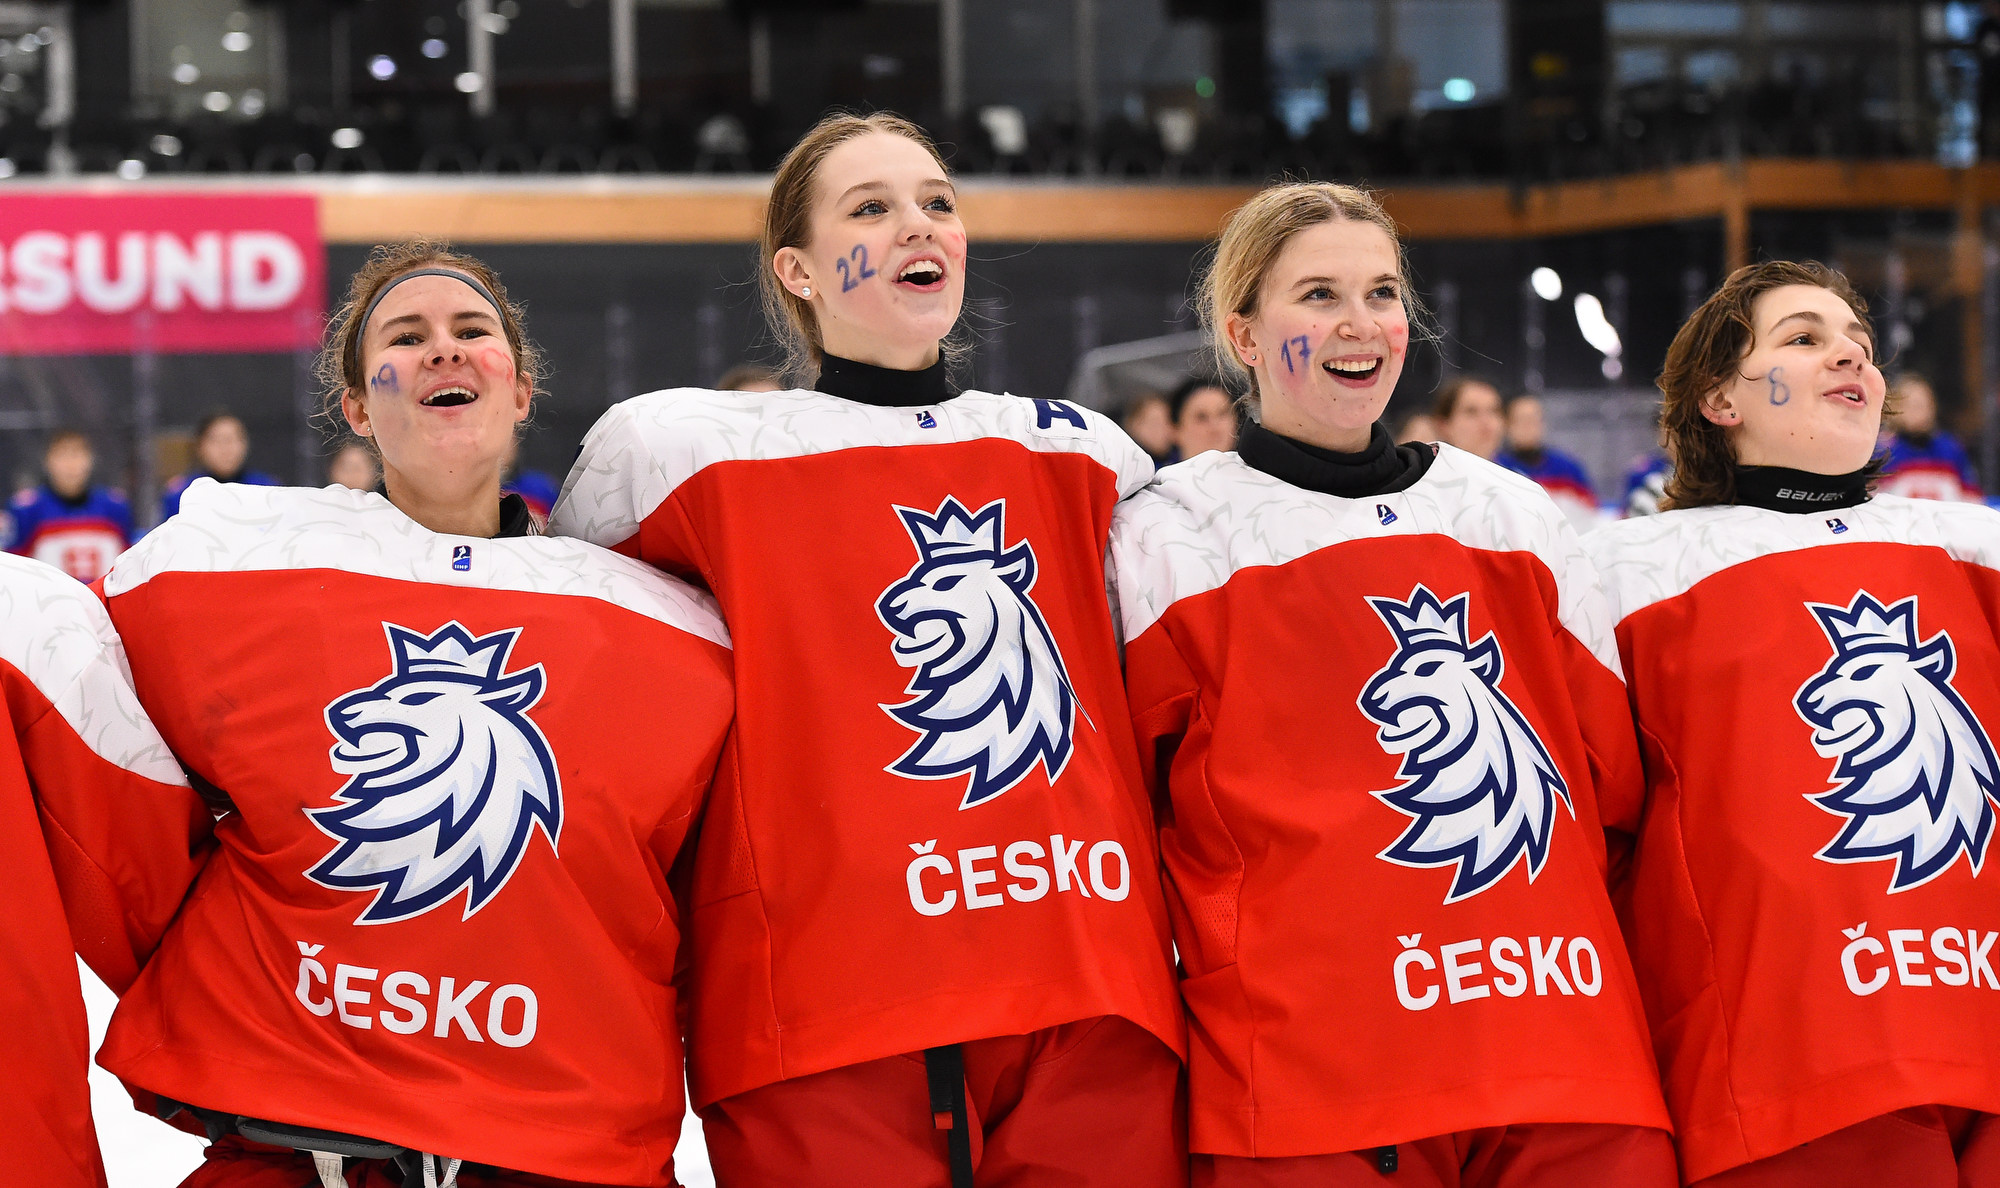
1705, 356
788, 223
339, 367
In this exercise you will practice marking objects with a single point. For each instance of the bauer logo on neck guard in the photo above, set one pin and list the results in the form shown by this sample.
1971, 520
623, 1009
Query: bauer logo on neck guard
448, 777
1478, 781
991, 696
1916, 774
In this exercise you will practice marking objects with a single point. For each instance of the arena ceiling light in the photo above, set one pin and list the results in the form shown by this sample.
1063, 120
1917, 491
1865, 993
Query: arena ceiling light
382, 67
1597, 329
1459, 90
434, 48
1548, 285
347, 138
236, 41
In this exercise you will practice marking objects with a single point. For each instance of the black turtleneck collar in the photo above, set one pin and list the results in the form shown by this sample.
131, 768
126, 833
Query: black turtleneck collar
866, 383
515, 518
1383, 468
1781, 488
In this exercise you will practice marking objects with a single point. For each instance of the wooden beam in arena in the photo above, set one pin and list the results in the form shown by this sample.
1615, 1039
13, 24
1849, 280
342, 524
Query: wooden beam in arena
366, 210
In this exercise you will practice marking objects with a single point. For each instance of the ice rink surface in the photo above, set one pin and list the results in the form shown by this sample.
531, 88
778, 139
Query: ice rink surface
140, 1152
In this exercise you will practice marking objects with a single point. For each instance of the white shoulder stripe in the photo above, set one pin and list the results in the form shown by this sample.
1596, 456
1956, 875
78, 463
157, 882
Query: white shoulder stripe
57, 635
640, 451
1205, 519
239, 529
1653, 558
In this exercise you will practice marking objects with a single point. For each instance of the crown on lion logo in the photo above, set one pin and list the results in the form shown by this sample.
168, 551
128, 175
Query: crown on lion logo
1424, 619
952, 530
451, 649
1867, 625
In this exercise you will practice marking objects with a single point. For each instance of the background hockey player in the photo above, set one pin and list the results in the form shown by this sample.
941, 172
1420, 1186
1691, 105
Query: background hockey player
461, 761
1817, 679
1378, 686
1922, 460
221, 452
929, 925
70, 522
1529, 453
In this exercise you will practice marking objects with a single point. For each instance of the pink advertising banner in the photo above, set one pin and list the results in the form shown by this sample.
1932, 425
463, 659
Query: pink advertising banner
172, 272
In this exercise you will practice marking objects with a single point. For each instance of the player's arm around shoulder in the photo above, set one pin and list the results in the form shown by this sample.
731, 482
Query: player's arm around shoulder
631, 461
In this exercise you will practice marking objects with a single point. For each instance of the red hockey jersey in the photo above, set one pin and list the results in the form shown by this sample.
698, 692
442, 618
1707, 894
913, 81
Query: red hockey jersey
938, 833
1812, 927
439, 915
1389, 729
100, 838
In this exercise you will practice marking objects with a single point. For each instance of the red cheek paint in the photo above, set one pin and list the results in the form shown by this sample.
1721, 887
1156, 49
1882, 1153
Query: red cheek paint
1399, 340
954, 246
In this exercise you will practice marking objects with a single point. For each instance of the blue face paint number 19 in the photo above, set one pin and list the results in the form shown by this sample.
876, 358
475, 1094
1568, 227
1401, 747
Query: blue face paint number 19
1303, 350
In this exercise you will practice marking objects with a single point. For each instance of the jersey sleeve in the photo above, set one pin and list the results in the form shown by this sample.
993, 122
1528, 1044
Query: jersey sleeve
614, 486
1160, 688
126, 836
1587, 634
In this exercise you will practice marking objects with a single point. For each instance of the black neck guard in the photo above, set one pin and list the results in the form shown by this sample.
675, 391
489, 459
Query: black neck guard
1781, 488
1382, 468
866, 383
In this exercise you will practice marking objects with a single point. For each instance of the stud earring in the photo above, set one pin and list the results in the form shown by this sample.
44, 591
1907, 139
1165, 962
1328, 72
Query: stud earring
1250, 359
806, 292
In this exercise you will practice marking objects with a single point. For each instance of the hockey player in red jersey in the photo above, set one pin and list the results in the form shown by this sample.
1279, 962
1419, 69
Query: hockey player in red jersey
928, 926
100, 838
1378, 687
1816, 677
437, 939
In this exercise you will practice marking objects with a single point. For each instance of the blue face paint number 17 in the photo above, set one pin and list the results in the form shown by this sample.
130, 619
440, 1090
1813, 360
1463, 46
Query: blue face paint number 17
1303, 350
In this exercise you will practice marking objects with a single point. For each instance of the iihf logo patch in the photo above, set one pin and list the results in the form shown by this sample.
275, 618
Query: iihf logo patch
447, 775
1477, 779
461, 557
1385, 513
1916, 773
991, 695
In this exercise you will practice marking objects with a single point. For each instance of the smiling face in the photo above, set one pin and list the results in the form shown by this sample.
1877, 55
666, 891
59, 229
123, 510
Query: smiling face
1328, 334
884, 256
1808, 394
442, 394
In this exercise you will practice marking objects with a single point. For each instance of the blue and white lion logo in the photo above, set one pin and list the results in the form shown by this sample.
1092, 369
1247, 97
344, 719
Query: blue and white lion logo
1914, 768
1479, 783
447, 775
992, 697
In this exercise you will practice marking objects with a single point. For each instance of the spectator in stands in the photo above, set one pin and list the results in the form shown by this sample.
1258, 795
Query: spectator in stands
1562, 476
221, 452
536, 489
354, 465
1923, 461
1468, 416
66, 522
1149, 419
1418, 427
1204, 417
750, 377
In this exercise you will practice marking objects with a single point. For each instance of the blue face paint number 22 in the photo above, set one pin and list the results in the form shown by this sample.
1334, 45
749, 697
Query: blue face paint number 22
1285, 352
860, 272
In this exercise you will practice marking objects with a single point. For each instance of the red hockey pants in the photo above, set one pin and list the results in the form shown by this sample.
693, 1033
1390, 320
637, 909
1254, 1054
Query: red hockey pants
1921, 1147
236, 1162
1541, 1155
1087, 1104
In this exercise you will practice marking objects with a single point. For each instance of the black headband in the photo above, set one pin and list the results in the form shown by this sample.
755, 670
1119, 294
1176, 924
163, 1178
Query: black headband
361, 327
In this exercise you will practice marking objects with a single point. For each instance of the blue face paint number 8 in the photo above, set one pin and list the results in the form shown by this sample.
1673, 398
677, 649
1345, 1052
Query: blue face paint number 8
860, 272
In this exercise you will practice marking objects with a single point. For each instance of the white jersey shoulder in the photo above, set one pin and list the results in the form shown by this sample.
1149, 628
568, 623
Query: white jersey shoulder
1649, 559
57, 635
641, 450
236, 528
1204, 519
